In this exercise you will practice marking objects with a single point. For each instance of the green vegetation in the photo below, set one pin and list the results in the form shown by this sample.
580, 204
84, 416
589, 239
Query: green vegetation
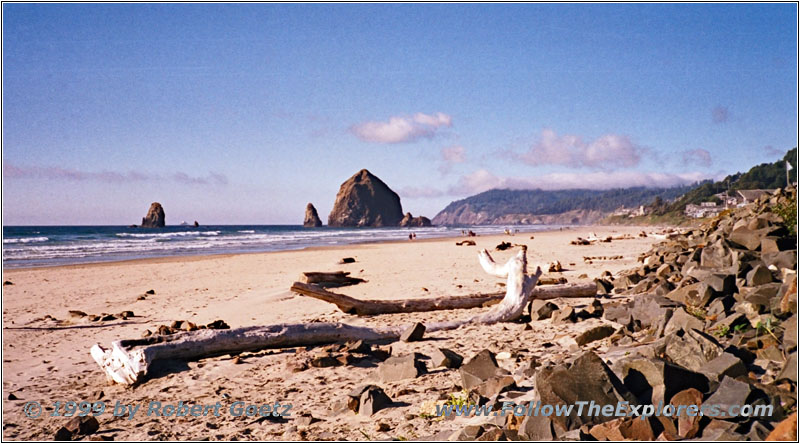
722, 331
764, 176
502, 202
740, 328
788, 212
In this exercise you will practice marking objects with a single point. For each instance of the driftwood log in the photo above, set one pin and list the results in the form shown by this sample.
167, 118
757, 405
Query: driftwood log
127, 361
368, 307
330, 279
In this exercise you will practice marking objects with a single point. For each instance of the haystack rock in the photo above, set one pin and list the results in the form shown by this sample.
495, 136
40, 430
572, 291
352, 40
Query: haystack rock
312, 218
365, 201
155, 217
411, 221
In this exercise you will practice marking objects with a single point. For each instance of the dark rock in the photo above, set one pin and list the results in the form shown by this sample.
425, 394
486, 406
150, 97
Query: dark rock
789, 371
382, 353
680, 320
219, 324
311, 219
347, 260
82, 425
7, 283
564, 315
762, 295
492, 387
470, 433
155, 217
443, 357
790, 334
527, 369
595, 309
540, 309
365, 201
688, 426
781, 259
774, 244
325, 359
411, 221
492, 434
720, 307
697, 295
587, 379
724, 283
413, 333
368, 399
595, 334
150, 292
749, 239
730, 392
305, 420
480, 368
619, 313
716, 255
654, 381
401, 367
758, 432
719, 430
62, 434
357, 347
759, 275
604, 286
692, 349
537, 428
503, 246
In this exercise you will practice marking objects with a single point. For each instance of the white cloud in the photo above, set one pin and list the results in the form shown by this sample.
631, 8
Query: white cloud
420, 192
698, 156
482, 180
608, 152
401, 129
11, 171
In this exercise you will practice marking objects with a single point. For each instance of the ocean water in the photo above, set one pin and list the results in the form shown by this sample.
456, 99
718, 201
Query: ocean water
31, 246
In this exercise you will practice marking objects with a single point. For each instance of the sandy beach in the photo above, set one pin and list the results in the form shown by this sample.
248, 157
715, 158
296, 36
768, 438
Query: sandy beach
46, 359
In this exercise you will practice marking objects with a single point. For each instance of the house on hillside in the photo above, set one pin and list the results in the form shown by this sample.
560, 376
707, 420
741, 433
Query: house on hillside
750, 196
729, 199
630, 212
705, 209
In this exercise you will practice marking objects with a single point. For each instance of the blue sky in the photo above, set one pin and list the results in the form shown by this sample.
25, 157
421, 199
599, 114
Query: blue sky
244, 113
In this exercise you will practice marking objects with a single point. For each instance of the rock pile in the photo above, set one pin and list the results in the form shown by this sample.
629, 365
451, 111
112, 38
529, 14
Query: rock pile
411, 221
714, 311
179, 326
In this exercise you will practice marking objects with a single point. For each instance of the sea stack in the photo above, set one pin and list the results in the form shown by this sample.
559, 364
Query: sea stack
365, 201
312, 218
411, 221
155, 217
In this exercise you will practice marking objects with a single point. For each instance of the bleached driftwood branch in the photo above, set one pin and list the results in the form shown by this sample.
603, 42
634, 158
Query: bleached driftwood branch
368, 307
127, 361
